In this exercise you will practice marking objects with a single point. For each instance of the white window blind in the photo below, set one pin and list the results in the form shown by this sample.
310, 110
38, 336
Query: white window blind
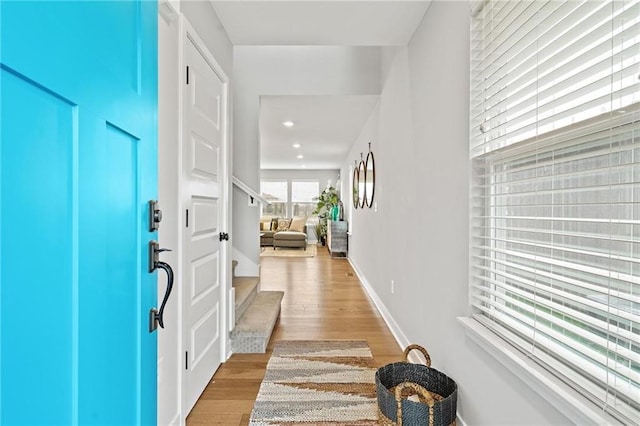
538, 66
277, 193
555, 224
302, 197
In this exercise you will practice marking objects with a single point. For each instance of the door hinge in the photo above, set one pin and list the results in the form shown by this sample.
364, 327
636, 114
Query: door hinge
186, 360
187, 74
187, 216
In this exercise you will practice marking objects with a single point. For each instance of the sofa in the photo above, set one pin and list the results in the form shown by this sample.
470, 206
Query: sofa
283, 232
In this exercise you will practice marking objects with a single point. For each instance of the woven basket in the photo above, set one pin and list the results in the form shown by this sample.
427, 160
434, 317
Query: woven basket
438, 394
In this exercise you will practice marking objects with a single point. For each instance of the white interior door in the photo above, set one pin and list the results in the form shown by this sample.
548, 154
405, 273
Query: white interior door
204, 149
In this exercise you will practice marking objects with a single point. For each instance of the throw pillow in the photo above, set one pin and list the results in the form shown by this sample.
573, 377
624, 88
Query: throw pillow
297, 224
283, 224
274, 224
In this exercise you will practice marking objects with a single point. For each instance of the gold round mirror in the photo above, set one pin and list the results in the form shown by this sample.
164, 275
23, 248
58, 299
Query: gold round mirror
369, 179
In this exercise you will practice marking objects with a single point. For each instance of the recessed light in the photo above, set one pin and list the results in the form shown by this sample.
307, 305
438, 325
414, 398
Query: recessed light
303, 167
300, 156
287, 123
296, 145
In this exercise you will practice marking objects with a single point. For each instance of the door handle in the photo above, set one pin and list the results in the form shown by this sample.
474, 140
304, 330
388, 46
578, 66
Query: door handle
156, 317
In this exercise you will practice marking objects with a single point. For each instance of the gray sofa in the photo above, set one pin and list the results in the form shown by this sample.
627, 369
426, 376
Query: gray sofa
290, 239
284, 238
266, 238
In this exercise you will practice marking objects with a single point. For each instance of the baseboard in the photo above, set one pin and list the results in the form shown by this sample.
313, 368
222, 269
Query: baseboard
400, 337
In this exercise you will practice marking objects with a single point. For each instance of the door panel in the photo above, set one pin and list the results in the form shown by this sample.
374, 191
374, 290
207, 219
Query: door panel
202, 191
205, 158
78, 165
204, 273
49, 154
108, 264
205, 216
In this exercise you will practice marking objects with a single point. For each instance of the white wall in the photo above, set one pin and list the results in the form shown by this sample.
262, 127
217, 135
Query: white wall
206, 23
322, 176
284, 70
420, 141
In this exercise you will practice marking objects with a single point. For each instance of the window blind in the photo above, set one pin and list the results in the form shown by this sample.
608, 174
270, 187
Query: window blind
541, 65
555, 222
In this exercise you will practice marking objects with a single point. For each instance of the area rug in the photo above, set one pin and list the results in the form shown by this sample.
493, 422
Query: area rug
289, 252
320, 382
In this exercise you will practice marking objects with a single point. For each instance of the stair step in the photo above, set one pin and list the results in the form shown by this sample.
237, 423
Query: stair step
246, 289
253, 330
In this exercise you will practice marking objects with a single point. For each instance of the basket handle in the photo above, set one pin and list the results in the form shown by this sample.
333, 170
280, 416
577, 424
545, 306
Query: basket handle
405, 355
416, 388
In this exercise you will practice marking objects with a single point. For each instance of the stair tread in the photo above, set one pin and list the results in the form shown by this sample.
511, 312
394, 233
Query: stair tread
261, 316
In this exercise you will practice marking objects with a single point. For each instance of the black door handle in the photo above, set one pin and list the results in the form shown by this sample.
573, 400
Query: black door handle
156, 317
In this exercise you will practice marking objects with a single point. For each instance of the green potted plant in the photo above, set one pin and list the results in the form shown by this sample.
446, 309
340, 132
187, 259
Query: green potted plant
327, 199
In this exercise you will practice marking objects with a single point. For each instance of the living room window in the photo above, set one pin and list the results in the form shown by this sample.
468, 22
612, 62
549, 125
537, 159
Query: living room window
301, 202
277, 192
555, 222
303, 193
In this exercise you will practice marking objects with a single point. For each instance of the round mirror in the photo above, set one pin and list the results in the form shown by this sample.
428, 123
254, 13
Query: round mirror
354, 189
369, 179
362, 201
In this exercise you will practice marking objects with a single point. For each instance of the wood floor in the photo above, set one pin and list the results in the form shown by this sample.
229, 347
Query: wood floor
323, 300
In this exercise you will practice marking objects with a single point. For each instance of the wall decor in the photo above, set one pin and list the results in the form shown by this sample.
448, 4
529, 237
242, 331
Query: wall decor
355, 184
362, 175
369, 178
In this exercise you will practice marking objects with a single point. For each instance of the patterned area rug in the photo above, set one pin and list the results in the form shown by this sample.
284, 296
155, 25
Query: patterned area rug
321, 382
288, 252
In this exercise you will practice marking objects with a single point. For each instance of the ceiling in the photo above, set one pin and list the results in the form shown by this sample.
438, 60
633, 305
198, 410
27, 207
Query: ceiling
325, 126
326, 22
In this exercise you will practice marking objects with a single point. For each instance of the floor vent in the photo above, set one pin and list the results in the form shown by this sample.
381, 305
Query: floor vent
349, 274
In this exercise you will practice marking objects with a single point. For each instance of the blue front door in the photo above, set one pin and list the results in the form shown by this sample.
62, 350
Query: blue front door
78, 89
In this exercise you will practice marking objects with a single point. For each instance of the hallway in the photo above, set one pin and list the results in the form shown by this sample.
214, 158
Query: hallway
323, 300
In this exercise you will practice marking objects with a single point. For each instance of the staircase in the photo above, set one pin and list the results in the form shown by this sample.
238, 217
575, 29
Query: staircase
256, 315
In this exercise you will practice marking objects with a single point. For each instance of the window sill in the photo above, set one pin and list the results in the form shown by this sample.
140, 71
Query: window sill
566, 400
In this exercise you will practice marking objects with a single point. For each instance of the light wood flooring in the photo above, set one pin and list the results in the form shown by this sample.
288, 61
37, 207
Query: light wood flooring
323, 300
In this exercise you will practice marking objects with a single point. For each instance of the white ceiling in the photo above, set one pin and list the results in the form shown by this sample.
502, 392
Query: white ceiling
326, 22
326, 126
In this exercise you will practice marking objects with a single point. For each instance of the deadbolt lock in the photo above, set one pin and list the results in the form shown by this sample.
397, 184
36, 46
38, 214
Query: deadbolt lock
155, 215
